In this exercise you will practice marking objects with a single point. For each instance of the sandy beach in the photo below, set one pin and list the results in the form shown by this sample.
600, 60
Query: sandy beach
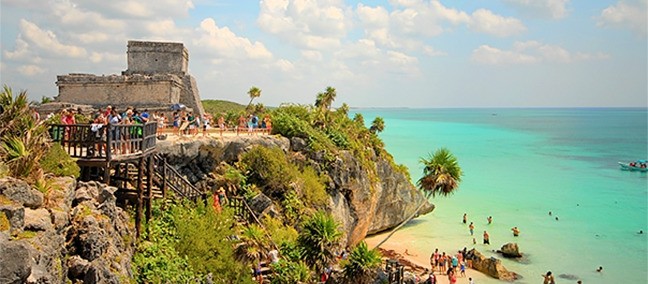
400, 242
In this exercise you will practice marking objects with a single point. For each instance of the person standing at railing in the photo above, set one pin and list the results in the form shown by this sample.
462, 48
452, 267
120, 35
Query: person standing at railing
221, 125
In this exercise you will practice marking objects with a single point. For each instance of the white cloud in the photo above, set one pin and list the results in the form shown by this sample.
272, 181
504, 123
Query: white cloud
97, 57
225, 43
311, 55
30, 70
306, 24
486, 22
626, 15
530, 52
284, 65
47, 41
556, 9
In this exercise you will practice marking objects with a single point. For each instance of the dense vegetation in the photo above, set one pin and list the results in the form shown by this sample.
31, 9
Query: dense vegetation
25, 149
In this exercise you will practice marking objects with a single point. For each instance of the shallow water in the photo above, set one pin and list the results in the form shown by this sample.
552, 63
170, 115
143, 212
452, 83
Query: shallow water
518, 165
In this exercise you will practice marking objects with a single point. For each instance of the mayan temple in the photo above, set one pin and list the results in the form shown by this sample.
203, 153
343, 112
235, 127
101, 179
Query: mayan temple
156, 78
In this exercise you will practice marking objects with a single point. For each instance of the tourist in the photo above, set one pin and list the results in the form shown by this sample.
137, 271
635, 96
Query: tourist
273, 256
470, 281
250, 124
176, 122
516, 231
549, 213
474, 241
35, 114
465, 218
161, 120
431, 279
222, 197
579, 282
548, 278
241, 124
600, 269
462, 268
217, 203
205, 125
640, 232
268, 124
455, 263
442, 262
452, 277
255, 122
490, 219
221, 125
145, 116
472, 228
486, 238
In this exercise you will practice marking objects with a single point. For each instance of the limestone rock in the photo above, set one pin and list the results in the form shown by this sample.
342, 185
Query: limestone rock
37, 220
77, 267
19, 191
298, 144
15, 263
490, 266
16, 216
510, 250
99, 272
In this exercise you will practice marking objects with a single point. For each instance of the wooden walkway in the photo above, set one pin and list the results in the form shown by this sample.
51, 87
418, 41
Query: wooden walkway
124, 156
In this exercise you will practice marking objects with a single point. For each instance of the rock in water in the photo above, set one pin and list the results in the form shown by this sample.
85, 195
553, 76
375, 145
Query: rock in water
490, 266
510, 250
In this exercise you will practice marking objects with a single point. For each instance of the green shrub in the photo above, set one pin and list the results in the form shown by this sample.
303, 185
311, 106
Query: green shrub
59, 163
279, 232
290, 272
313, 191
269, 168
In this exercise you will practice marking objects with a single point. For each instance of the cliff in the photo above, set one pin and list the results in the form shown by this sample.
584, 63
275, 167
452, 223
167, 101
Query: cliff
363, 205
73, 232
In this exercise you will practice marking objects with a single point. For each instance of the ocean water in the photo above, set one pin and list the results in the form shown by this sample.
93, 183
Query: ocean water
518, 165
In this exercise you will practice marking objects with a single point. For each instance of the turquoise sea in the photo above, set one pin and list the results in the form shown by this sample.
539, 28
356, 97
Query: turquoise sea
519, 164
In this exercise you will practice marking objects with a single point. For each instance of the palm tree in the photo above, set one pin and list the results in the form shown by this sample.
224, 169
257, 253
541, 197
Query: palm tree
441, 176
254, 93
319, 240
362, 264
377, 126
358, 118
325, 100
253, 245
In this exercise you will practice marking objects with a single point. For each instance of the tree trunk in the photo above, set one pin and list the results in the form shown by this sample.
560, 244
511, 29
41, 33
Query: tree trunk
402, 223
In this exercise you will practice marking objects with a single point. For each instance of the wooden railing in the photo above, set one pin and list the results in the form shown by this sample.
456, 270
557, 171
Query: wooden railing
172, 179
91, 141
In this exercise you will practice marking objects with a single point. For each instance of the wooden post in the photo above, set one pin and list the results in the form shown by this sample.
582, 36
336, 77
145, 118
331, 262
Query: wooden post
149, 187
140, 189
164, 177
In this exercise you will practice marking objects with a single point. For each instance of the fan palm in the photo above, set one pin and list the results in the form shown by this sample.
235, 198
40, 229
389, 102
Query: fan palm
253, 246
361, 265
377, 126
319, 240
441, 176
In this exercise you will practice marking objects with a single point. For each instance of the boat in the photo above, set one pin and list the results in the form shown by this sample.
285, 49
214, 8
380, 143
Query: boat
636, 166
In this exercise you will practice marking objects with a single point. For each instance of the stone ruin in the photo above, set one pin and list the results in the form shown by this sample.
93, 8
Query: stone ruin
156, 79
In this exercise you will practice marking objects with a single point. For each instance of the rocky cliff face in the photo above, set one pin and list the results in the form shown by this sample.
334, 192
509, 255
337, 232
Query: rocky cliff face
74, 232
363, 205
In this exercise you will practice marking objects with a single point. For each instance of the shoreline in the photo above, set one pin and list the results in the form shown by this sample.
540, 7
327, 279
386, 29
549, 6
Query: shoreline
396, 246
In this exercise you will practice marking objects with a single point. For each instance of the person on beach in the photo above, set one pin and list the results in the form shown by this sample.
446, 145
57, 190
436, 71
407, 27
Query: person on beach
474, 241
431, 279
452, 277
442, 263
470, 281
516, 231
489, 219
486, 238
548, 278
462, 269
465, 218
455, 263
472, 228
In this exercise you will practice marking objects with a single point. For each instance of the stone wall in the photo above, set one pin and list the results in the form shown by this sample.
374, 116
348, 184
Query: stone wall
122, 91
156, 57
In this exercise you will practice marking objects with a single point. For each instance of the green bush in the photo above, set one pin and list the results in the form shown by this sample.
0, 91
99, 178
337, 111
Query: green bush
313, 190
269, 169
59, 163
290, 272
279, 232
186, 242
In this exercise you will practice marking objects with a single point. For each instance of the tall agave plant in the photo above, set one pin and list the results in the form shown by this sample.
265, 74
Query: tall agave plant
362, 265
23, 141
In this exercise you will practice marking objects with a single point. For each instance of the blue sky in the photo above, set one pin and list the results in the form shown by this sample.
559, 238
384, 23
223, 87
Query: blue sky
390, 53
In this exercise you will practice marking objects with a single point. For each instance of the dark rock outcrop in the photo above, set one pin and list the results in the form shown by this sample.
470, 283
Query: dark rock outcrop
510, 250
490, 266
20, 192
363, 200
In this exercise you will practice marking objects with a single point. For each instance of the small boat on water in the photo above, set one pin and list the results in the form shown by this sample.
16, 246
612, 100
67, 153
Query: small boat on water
636, 166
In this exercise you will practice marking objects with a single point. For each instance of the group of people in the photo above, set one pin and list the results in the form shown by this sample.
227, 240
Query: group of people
450, 265
489, 219
252, 124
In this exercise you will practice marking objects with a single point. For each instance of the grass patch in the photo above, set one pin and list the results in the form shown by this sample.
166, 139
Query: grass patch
4, 222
